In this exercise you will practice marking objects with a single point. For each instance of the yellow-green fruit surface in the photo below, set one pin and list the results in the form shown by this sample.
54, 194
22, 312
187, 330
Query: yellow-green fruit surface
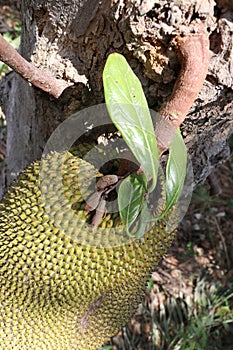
55, 292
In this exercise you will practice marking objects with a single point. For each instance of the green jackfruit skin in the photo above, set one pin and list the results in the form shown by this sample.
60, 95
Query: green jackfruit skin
56, 293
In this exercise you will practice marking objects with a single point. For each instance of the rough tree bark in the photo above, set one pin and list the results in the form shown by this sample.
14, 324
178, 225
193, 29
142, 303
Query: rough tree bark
72, 40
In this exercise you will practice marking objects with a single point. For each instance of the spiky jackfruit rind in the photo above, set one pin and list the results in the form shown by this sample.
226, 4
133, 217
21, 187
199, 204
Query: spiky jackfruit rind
57, 293
66, 183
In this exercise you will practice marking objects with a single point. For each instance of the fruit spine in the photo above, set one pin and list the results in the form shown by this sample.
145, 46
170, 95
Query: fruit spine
56, 291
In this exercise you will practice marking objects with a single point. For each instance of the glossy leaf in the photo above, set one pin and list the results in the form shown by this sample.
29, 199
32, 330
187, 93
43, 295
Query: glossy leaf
144, 218
131, 196
128, 109
175, 170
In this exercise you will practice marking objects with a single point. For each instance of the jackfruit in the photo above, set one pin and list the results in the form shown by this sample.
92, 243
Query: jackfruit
66, 285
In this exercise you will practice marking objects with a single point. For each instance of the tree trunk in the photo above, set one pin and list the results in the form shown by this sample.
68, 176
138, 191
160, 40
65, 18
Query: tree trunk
72, 39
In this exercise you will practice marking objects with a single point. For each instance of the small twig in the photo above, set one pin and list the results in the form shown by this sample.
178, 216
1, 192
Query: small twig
37, 77
193, 53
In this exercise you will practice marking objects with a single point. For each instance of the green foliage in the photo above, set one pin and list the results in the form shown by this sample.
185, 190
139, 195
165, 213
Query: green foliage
197, 322
131, 197
208, 317
12, 39
149, 284
128, 109
175, 170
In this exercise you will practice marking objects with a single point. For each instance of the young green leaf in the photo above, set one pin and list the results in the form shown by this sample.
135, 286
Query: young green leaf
175, 170
128, 109
144, 219
131, 196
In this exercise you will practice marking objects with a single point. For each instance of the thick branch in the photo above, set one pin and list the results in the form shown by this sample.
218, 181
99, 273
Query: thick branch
193, 53
38, 77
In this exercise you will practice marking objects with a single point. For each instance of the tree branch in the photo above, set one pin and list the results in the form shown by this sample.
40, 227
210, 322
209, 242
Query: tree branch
37, 77
193, 53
